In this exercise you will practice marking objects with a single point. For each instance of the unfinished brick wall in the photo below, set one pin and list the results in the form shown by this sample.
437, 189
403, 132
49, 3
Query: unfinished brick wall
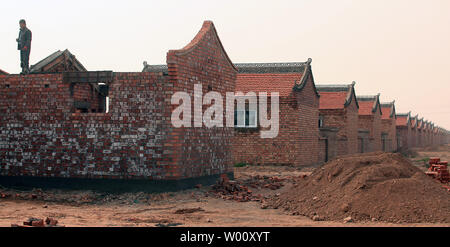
86, 93
40, 135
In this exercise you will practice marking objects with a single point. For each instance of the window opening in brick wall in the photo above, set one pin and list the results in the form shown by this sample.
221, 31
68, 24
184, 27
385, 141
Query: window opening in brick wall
90, 90
245, 119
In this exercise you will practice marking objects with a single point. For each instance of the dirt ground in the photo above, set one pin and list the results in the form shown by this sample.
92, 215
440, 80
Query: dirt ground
195, 207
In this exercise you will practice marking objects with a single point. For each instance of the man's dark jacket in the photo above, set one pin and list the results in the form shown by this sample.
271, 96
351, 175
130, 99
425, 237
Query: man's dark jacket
24, 39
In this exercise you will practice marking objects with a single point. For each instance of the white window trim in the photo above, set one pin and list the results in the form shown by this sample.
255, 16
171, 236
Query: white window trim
244, 125
107, 104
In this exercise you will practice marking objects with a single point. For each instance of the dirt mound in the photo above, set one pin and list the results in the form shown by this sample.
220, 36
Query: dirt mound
375, 186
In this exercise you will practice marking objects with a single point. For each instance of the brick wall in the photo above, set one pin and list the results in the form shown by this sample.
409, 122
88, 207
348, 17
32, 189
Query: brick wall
352, 126
369, 118
373, 124
202, 151
346, 121
336, 118
388, 126
85, 92
40, 135
308, 106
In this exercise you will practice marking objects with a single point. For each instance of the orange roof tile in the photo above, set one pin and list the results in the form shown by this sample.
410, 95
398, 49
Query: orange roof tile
365, 107
386, 111
332, 100
368, 104
270, 82
402, 120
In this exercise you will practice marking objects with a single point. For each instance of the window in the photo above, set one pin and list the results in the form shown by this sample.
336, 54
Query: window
320, 121
245, 119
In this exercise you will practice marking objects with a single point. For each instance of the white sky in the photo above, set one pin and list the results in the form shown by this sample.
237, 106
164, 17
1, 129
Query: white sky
399, 48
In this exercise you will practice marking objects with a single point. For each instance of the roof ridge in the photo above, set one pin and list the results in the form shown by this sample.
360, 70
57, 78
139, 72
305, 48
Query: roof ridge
286, 67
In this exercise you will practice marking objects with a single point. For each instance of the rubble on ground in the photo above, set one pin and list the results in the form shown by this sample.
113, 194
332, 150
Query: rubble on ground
36, 222
243, 191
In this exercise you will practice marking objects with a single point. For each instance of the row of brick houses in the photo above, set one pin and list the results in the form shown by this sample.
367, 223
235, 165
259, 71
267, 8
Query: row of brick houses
63, 121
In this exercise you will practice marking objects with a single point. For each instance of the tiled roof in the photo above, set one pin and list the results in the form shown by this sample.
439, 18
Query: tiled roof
2, 72
256, 68
332, 100
272, 77
281, 83
402, 120
368, 104
387, 110
46, 61
259, 77
155, 68
246, 68
335, 96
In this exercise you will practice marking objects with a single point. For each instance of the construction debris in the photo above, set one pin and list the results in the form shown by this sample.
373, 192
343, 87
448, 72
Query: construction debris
189, 210
35, 222
240, 190
438, 170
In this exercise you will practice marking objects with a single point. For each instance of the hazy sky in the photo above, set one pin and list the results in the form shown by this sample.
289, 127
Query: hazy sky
399, 48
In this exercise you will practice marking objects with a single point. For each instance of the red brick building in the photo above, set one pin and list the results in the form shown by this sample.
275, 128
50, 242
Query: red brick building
297, 142
338, 108
426, 133
432, 135
43, 134
414, 131
434, 140
369, 118
403, 126
420, 133
388, 127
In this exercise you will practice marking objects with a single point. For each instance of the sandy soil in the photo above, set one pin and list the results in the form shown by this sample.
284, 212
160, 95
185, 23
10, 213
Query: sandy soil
87, 208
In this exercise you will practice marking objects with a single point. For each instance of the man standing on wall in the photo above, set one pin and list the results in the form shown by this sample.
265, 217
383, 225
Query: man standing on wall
24, 45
